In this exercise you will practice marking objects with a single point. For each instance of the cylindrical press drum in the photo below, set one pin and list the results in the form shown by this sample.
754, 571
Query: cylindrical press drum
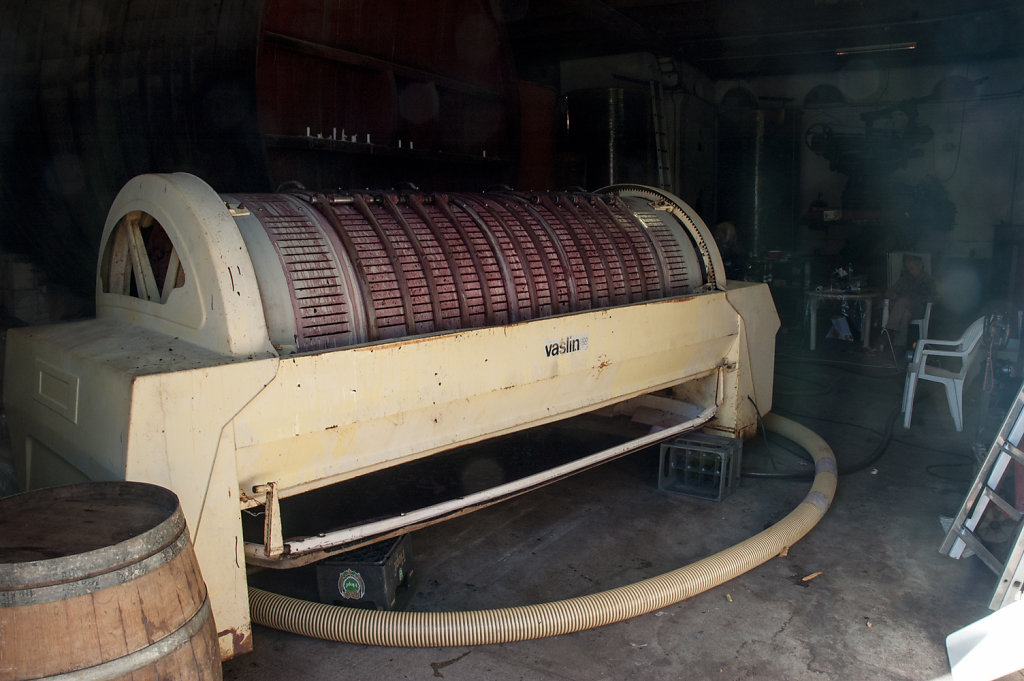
310, 271
364, 266
100, 579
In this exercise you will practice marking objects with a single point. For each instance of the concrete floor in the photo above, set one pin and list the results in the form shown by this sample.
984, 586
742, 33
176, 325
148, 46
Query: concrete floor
881, 607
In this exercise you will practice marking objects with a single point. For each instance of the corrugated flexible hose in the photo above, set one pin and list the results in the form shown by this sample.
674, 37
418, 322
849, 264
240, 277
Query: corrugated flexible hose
481, 627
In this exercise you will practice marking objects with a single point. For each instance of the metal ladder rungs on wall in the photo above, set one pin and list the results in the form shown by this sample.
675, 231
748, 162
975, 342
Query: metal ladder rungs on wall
1005, 450
661, 151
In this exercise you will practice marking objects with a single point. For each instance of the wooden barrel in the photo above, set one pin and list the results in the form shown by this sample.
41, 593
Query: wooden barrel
99, 581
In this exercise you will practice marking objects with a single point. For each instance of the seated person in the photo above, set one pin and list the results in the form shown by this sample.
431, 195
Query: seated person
908, 297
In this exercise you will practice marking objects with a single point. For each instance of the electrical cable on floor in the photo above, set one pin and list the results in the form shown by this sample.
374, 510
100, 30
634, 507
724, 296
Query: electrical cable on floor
887, 438
892, 369
928, 448
875, 455
760, 419
931, 470
886, 435
900, 441
826, 419
892, 349
823, 388
986, 393
768, 445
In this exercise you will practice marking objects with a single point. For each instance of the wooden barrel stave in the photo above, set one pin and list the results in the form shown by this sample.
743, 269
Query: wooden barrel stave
147, 618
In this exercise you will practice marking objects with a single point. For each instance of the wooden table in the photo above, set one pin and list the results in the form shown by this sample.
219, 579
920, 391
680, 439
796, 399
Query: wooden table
865, 296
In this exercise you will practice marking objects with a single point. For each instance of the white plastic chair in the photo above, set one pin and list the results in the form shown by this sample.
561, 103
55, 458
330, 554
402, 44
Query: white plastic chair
965, 349
921, 324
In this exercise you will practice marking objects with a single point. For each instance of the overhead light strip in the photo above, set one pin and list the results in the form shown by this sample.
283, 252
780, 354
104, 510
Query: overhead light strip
884, 47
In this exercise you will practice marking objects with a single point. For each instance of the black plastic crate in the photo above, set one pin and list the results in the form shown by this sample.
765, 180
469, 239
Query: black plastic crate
700, 465
372, 577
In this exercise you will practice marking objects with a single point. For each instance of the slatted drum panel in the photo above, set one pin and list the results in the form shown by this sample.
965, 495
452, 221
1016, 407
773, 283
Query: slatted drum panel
365, 266
676, 257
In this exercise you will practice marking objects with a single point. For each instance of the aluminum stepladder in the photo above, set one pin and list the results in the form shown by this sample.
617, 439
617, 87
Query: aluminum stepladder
1004, 450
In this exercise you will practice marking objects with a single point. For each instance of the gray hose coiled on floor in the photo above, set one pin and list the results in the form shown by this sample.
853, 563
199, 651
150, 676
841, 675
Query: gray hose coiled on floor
479, 627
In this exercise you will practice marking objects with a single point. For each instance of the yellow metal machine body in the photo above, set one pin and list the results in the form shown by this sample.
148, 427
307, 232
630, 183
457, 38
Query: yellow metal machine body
196, 375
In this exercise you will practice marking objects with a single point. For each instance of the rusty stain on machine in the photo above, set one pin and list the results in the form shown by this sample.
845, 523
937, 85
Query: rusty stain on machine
252, 349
